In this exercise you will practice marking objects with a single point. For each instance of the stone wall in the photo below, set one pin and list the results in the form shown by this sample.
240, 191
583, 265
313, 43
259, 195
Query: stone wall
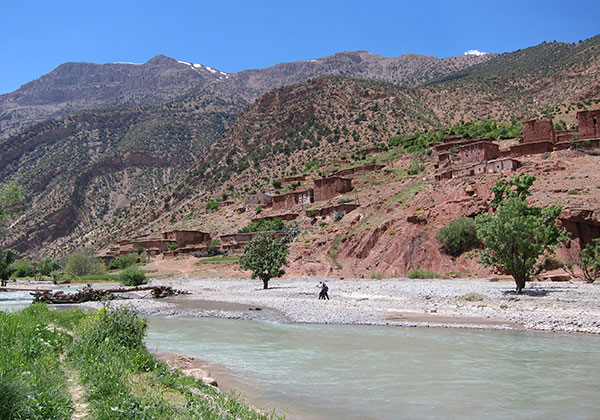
478, 152
289, 200
260, 199
534, 148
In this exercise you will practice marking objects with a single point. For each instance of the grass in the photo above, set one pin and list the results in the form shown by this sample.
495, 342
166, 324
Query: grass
32, 383
219, 259
333, 250
419, 273
405, 196
120, 378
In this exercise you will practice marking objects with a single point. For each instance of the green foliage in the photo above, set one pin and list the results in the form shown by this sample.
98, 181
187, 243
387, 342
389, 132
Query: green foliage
258, 209
458, 236
265, 256
12, 199
516, 187
276, 184
416, 167
32, 383
312, 214
419, 273
337, 216
7, 258
81, 264
212, 205
212, 248
45, 267
419, 143
23, 268
123, 261
132, 276
172, 246
517, 236
275, 225
588, 261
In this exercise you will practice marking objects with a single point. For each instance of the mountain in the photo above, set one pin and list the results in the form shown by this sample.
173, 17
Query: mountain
150, 158
72, 87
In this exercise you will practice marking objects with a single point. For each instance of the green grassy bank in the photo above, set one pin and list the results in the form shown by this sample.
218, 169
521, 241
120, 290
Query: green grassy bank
47, 356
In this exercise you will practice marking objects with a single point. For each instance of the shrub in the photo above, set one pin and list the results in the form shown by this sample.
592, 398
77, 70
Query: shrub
415, 168
421, 274
312, 214
132, 276
212, 248
338, 216
123, 261
212, 205
172, 246
258, 209
458, 236
22, 268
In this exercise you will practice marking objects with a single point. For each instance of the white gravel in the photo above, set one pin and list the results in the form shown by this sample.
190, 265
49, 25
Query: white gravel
569, 307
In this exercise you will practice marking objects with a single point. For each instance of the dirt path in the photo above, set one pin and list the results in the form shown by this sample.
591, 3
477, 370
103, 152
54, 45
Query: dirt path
80, 406
185, 267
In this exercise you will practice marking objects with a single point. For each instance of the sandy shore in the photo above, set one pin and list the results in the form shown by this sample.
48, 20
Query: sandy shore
457, 303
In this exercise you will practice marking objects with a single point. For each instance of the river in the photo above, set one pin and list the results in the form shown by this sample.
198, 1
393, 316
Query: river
320, 372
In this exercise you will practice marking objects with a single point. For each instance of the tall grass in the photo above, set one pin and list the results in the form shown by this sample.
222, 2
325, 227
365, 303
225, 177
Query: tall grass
32, 383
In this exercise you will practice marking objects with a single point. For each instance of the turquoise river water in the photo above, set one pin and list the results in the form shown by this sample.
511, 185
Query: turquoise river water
366, 372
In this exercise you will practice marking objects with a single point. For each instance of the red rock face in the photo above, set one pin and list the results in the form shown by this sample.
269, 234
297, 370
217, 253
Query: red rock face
538, 130
589, 124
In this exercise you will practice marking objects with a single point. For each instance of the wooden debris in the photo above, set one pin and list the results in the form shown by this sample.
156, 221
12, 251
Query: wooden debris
88, 294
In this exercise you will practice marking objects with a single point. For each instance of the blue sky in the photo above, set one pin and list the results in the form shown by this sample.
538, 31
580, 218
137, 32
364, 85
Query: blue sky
37, 36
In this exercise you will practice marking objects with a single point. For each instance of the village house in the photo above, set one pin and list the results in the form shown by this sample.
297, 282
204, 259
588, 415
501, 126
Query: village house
260, 199
327, 188
589, 124
289, 200
186, 237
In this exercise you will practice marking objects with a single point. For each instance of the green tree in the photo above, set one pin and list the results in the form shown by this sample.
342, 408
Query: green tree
212, 205
12, 199
517, 236
7, 258
23, 268
81, 264
588, 261
265, 256
517, 187
45, 267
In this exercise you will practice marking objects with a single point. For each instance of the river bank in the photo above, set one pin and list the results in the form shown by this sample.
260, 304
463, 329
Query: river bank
456, 303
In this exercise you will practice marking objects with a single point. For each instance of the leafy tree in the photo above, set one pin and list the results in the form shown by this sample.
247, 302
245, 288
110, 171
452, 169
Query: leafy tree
81, 264
517, 236
458, 236
12, 199
517, 187
212, 248
45, 267
23, 268
265, 256
172, 246
588, 260
276, 184
7, 258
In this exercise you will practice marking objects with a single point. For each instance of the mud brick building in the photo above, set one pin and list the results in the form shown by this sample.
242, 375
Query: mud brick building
360, 170
327, 188
589, 124
538, 130
289, 200
186, 237
260, 199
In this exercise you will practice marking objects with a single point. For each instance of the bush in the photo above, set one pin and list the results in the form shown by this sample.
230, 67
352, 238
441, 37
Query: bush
123, 261
80, 264
132, 276
338, 216
22, 268
312, 214
212, 248
212, 205
421, 274
172, 246
458, 236
416, 167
